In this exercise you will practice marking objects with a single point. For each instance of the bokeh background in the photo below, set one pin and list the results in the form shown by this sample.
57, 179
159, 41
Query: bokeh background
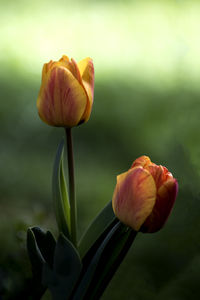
147, 101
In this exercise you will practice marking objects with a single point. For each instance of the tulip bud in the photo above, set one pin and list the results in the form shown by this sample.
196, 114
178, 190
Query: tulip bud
144, 195
66, 94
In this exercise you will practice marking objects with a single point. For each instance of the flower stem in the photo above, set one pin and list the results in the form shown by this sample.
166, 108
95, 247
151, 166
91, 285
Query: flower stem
72, 196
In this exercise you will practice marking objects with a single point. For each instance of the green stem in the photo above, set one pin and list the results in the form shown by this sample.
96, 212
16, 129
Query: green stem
72, 197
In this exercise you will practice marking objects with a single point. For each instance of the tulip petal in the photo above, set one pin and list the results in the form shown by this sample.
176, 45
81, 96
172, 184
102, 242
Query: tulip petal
62, 99
86, 69
63, 62
71, 66
141, 161
166, 196
134, 197
159, 173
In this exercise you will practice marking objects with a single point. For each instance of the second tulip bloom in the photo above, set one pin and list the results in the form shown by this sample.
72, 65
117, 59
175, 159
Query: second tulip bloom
144, 195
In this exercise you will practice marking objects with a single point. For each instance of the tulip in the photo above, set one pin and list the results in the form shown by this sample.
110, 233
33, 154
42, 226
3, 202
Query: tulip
144, 195
66, 94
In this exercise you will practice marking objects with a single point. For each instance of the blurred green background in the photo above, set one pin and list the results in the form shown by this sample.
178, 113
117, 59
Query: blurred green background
147, 101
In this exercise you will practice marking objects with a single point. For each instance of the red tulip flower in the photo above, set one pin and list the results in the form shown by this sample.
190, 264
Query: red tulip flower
144, 195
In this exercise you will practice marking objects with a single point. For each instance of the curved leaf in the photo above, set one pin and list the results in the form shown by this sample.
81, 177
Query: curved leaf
66, 270
60, 194
109, 263
66, 258
46, 244
97, 230
34, 253
89, 273
40, 247
105, 262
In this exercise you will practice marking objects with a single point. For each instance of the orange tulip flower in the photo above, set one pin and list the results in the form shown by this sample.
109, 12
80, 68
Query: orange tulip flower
66, 94
144, 195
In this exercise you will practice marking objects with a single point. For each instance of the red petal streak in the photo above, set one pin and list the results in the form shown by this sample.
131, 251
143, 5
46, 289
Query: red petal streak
47, 102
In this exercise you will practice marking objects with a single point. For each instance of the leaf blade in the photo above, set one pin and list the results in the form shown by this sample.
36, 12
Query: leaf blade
95, 230
86, 280
66, 270
105, 262
36, 241
60, 194
109, 263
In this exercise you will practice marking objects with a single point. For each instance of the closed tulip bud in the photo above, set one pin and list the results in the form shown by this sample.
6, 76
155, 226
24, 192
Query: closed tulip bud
144, 195
66, 94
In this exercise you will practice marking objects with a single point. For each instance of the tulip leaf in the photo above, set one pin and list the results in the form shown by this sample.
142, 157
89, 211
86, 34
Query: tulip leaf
66, 270
110, 242
40, 247
46, 244
60, 193
97, 230
66, 259
111, 259
34, 253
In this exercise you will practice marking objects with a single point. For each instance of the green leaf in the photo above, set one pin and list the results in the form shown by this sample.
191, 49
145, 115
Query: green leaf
60, 194
46, 244
110, 260
66, 270
105, 262
41, 248
97, 231
91, 269
66, 258
34, 253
